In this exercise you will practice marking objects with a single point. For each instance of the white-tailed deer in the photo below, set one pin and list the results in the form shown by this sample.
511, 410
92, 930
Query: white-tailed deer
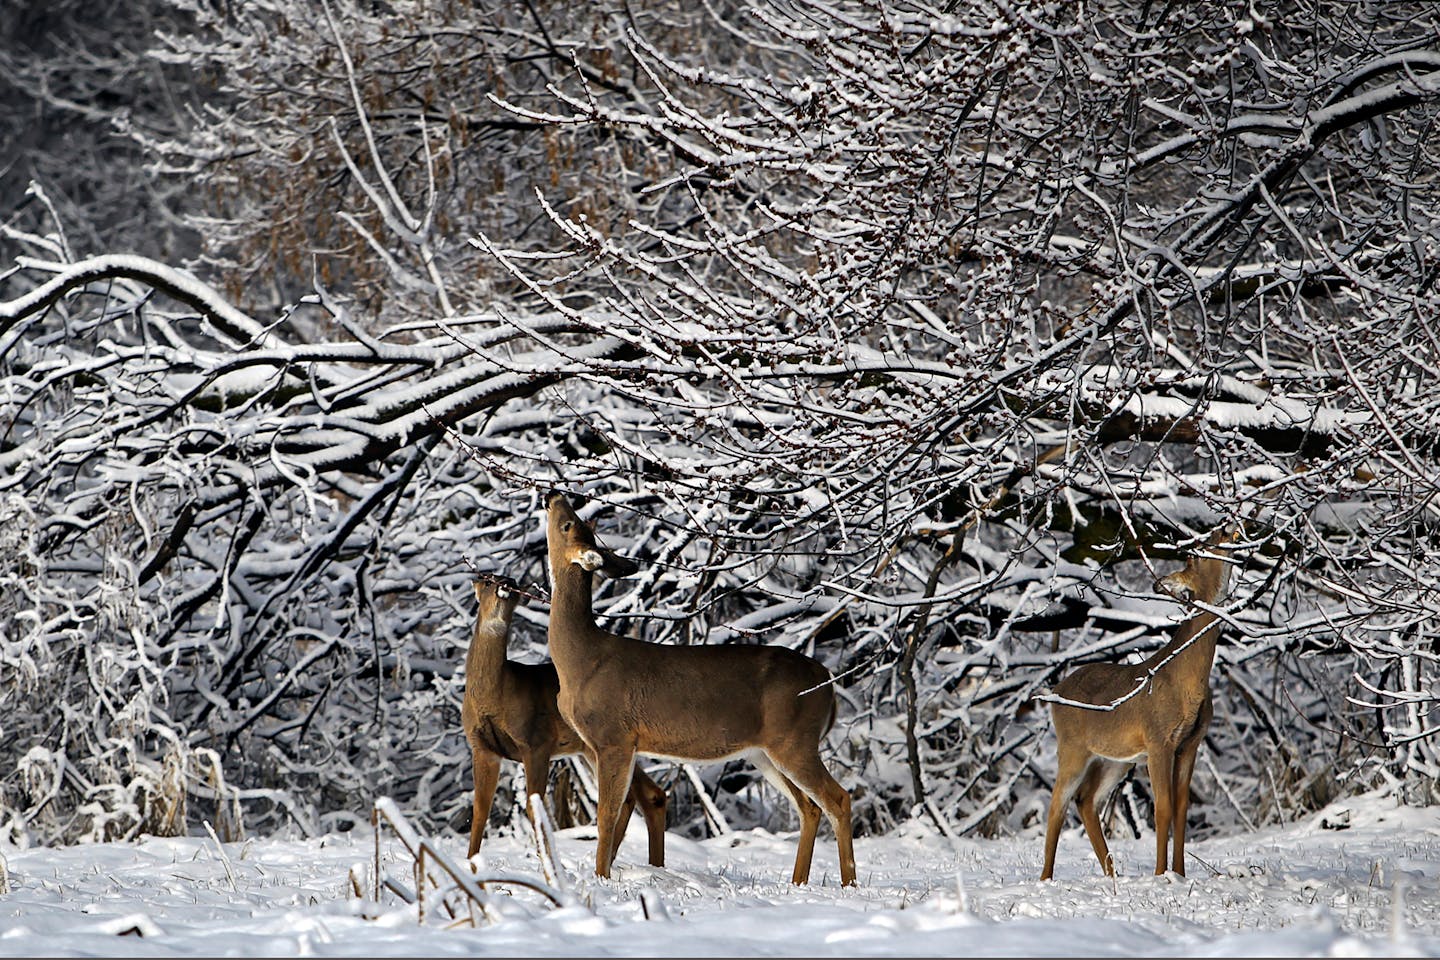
769, 705
509, 712
1164, 722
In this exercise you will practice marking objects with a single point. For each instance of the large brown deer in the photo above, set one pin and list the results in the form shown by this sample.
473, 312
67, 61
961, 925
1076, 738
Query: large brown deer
625, 696
510, 713
1161, 709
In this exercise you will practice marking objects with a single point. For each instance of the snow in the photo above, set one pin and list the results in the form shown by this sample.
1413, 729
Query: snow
179, 283
1367, 889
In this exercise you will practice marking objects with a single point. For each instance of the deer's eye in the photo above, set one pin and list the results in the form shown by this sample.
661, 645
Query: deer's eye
566, 526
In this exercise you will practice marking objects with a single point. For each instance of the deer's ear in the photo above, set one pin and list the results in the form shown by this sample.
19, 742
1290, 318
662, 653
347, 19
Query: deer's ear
615, 565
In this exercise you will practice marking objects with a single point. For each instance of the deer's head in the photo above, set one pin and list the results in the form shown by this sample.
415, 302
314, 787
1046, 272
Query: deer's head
498, 597
572, 540
1206, 575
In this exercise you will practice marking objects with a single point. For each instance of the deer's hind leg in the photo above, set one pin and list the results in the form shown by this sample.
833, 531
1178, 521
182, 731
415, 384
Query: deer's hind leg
807, 809
804, 768
1071, 768
1098, 781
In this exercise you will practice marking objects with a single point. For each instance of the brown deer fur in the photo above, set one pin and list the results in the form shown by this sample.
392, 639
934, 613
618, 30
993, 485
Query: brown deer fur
624, 696
1164, 722
509, 712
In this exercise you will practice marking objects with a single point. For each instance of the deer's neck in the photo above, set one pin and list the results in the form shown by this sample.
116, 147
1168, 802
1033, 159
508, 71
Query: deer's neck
1190, 654
1187, 659
572, 618
485, 661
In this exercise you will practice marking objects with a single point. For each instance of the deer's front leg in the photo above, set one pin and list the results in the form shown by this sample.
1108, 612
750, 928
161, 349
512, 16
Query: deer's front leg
652, 801
486, 774
613, 769
1184, 768
1162, 784
537, 771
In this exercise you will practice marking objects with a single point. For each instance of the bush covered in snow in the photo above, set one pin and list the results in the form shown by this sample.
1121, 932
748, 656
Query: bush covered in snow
921, 341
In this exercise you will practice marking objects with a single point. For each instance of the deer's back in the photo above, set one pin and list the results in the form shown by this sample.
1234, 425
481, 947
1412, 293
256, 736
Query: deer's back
1116, 733
702, 702
1162, 712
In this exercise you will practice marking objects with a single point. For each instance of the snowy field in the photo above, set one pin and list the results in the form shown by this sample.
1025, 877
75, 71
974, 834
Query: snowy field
1370, 889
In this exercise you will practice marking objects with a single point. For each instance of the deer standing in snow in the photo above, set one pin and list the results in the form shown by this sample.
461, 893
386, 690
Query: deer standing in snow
623, 696
1164, 722
509, 712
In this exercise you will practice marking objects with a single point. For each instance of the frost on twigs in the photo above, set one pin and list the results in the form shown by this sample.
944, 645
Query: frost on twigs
443, 891
923, 343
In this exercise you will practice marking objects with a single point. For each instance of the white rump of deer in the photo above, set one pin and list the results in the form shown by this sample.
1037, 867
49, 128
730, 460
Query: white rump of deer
510, 713
624, 696
1163, 722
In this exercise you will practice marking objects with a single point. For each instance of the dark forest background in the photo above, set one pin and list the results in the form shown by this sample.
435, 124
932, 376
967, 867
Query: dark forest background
919, 337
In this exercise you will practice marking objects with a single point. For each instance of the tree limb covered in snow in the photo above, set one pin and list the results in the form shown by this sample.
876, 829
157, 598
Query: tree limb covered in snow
917, 341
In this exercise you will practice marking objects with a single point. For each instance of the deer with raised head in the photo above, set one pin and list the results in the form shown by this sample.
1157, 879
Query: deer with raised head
770, 705
1163, 722
510, 713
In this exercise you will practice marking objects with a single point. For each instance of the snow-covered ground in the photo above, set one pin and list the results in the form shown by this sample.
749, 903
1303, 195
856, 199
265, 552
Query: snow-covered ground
1370, 889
